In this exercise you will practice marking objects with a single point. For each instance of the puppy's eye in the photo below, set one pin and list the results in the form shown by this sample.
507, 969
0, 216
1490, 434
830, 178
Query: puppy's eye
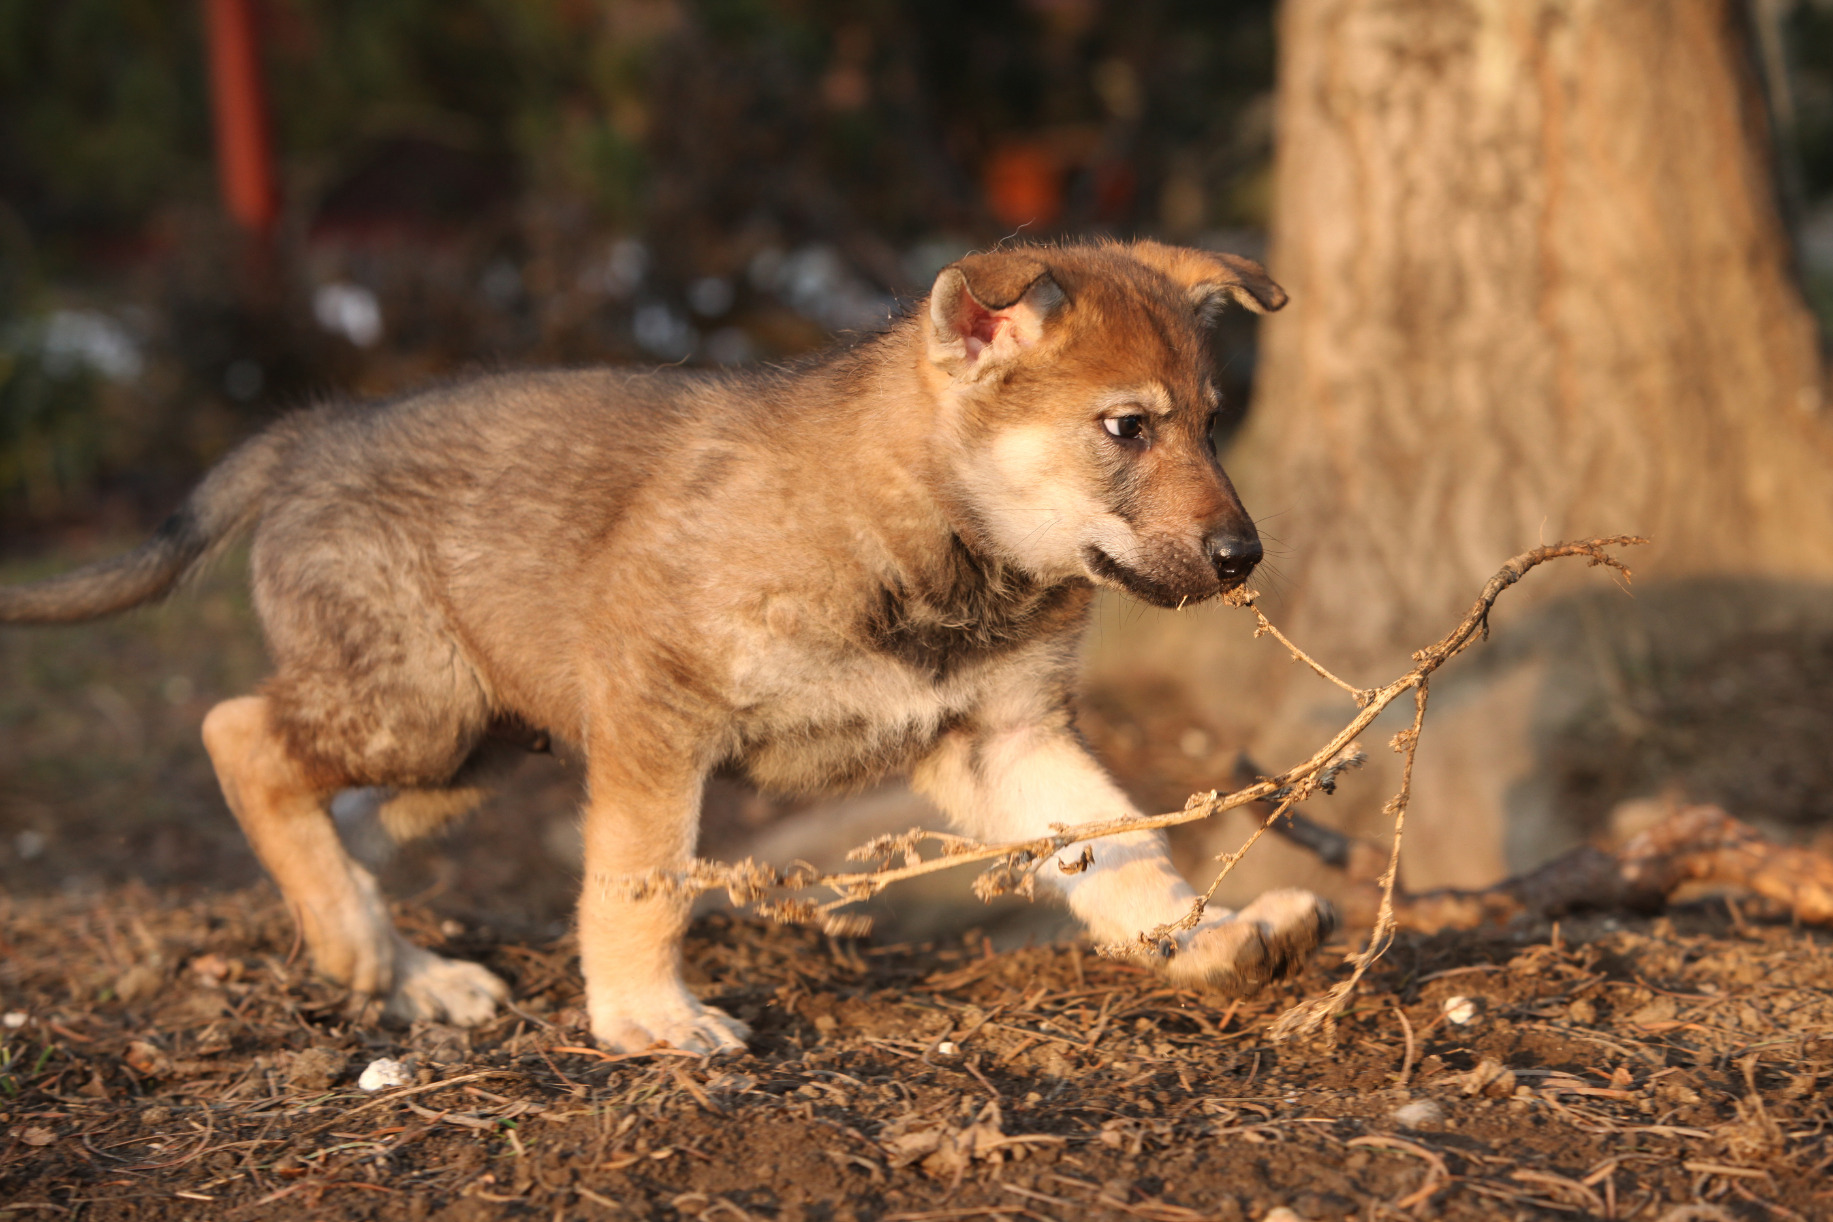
1127, 428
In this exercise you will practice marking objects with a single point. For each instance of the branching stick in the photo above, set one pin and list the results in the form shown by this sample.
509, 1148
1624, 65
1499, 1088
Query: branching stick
774, 892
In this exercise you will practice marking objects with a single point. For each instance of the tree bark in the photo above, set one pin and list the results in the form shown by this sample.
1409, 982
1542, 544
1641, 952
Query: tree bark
1540, 289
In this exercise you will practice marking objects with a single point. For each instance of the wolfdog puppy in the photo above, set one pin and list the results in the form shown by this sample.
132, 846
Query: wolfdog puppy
879, 560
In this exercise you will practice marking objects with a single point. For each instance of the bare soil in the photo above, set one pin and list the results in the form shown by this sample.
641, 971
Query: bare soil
175, 1060
164, 1052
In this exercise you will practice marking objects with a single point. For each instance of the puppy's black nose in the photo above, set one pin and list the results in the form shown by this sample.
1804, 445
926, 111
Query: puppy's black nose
1234, 555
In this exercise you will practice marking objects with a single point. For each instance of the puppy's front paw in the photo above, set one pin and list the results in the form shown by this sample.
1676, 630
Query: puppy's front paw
677, 1020
1268, 940
428, 986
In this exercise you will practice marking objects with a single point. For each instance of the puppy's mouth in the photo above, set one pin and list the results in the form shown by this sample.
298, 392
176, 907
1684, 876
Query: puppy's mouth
1149, 588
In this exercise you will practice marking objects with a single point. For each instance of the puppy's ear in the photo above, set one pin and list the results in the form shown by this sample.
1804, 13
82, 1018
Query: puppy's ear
986, 309
1213, 279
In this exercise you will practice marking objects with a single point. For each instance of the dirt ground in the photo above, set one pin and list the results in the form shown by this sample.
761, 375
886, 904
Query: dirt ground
164, 1052
171, 1058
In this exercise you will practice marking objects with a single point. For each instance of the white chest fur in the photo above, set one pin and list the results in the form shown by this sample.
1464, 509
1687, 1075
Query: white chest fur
814, 718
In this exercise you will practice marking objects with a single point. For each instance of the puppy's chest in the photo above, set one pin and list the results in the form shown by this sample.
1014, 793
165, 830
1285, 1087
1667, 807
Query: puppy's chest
845, 707
818, 718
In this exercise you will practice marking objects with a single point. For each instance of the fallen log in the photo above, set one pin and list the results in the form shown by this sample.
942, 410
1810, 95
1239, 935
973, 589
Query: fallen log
1693, 845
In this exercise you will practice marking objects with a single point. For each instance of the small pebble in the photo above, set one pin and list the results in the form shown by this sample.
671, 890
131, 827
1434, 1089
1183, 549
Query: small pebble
138, 983
948, 1048
314, 1069
384, 1073
12, 1020
1460, 1010
1419, 1114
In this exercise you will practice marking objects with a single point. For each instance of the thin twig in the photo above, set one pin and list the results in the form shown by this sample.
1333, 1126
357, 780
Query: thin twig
1412, 1049
1360, 695
1322, 1011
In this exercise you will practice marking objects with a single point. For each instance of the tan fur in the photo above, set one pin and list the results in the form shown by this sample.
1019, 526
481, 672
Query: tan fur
879, 560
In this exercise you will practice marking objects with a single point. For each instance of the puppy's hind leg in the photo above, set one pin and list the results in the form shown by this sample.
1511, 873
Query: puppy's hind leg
374, 821
340, 910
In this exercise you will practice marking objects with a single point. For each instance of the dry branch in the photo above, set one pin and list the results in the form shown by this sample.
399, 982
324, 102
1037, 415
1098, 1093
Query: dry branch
772, 892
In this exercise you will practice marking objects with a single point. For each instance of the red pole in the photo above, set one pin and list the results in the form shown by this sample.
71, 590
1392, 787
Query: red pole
244, 155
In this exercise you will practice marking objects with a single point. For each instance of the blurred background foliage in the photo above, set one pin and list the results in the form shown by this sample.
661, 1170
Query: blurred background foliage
478, 182
898, 110
481, 182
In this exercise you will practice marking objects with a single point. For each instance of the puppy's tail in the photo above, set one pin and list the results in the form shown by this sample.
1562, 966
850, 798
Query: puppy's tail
227, 502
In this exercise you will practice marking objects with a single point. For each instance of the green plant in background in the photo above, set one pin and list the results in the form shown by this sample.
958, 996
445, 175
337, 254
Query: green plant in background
105, 115
50, 435
557, 87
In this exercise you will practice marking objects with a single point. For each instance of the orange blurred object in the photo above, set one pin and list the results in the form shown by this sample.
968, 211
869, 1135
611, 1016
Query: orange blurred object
1024, 184
244, 156
1116, 184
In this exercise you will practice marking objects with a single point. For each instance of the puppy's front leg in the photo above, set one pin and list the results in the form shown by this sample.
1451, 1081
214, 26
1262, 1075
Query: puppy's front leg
641, 817
1012, 781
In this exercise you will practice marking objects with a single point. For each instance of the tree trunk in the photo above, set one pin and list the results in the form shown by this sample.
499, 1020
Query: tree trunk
1540, 290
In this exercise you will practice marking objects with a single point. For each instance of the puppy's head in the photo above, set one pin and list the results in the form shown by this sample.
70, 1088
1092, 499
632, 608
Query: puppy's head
1077, 399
